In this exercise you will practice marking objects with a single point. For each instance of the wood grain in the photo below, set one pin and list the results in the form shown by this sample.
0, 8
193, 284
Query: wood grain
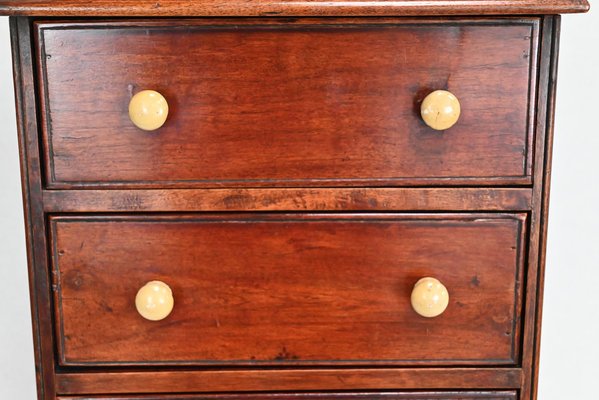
319, 199
168, 8
301, 104
480, 395
539, 215
226, 380
35, 224
514, 373
283, 380
288, 289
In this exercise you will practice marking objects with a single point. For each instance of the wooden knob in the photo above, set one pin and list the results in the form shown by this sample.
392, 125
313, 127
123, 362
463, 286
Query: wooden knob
429, 297
154, 301
440, 110
148, 110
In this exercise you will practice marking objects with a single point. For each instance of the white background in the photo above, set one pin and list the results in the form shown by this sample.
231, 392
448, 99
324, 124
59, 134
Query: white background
570, 352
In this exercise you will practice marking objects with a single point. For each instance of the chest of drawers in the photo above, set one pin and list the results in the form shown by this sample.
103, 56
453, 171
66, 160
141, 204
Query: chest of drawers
286, 200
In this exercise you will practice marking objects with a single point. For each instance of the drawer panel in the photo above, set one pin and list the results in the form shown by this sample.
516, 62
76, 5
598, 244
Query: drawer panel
309, 102
261, 289
507, 395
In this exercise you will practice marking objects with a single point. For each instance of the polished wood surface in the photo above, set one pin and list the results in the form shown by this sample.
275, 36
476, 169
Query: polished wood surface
291, 379
539, 213
288, 289
316, 199
168, 8
61, 201
323, 396
35, 225
341, 106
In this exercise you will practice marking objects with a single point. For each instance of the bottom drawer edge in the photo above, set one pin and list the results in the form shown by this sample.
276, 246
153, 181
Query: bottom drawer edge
436, 395
289, 380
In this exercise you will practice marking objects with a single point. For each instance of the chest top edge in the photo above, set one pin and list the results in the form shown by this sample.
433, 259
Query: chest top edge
235, 8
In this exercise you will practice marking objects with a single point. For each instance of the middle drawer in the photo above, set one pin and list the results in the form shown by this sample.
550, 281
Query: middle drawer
259, 289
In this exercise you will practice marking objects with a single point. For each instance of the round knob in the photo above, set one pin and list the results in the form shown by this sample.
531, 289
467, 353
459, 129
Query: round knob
148, 110
154, 301
440, 110
429, 297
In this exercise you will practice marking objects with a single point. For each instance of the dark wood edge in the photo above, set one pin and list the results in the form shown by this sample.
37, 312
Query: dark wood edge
325, 199
521, 262
66, 365
288, 380
506, 181
544, 200
289, 8
42, 95
529, 168
443, 218
39, 285
520, 180
476, 395
280, 23
58, 327
538, 221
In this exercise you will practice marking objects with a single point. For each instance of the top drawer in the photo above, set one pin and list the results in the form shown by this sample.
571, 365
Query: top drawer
300, 102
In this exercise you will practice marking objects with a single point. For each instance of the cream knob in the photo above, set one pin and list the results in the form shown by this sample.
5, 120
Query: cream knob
154, 301
148, 110
440, 110
429, 297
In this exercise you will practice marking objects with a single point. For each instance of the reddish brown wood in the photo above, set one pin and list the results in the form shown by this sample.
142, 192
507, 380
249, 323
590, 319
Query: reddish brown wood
324, 396
168, 8
288, 289
226, 380
516, 369
340, 106
29, 154
539, 215
323, 199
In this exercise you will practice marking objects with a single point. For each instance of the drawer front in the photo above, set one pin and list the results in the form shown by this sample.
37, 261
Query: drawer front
307, 102
507, 395
259, 289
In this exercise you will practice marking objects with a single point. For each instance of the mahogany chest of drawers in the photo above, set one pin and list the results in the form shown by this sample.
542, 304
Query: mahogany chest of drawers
286, 200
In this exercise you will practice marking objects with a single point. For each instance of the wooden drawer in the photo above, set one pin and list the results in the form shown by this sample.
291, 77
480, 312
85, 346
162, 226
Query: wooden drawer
276, 102
507, 395
274, 289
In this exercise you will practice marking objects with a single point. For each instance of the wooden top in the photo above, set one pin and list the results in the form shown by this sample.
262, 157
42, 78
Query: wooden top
190, 8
